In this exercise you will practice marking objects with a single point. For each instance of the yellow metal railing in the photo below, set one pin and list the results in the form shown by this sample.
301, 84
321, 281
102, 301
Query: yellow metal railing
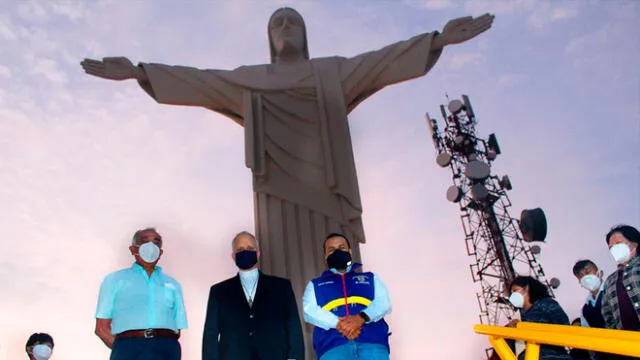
618, 342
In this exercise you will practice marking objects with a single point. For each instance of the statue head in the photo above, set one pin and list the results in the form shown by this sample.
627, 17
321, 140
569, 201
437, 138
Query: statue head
287, 35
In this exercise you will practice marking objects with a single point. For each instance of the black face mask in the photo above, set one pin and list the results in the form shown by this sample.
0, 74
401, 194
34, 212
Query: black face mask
246, 259
339, 260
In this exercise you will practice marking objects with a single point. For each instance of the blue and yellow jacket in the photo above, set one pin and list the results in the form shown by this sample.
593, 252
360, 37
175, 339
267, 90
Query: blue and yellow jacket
347, 294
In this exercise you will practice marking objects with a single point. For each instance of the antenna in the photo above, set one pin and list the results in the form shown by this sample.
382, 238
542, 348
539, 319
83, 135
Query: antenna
497, 242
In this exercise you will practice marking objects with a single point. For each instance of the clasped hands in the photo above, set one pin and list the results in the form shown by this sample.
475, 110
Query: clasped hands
350, 326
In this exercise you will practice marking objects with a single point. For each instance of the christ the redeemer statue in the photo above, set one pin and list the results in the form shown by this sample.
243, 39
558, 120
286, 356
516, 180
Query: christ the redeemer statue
297, 141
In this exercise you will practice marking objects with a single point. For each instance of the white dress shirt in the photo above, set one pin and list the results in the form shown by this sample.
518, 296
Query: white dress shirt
249, 281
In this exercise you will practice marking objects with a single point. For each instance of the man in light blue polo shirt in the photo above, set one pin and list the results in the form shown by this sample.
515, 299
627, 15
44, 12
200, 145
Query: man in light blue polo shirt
140, 309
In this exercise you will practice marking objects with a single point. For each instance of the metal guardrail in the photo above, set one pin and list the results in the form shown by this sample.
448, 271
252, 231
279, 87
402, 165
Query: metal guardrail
618, 342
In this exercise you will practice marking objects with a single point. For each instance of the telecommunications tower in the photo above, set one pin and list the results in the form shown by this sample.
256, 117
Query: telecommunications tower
501, 246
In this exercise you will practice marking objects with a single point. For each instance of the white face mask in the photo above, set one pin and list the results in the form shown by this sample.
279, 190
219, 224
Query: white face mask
516, 299
149, 252
590, 282
41, 352
621, 253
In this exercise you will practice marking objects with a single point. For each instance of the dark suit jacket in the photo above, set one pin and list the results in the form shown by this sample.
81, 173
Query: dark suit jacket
270, 330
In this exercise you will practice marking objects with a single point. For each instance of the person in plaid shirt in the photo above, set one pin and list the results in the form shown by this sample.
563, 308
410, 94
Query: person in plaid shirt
621, 299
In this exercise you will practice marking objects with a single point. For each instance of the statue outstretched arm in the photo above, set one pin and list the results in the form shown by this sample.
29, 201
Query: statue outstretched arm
175, 85
462, 29
114, 68
365, 74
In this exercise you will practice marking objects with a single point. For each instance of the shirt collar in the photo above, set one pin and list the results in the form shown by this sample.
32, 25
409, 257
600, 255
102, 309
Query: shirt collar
591, 299
352, 267
139, 268
340, 272
250, 275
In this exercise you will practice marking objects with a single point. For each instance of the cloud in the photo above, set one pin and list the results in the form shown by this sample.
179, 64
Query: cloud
510, 80
32, 11
439, 4
73, 10
6, 28
604, 49
593, 41
5, 71
49, 69
559, 14
539, 14
547, 13
461, 60
499, 6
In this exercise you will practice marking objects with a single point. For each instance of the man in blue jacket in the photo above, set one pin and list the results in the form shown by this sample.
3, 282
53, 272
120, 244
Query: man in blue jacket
347, 307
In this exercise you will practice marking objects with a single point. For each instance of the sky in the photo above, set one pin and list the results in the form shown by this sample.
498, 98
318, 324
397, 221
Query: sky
84, 162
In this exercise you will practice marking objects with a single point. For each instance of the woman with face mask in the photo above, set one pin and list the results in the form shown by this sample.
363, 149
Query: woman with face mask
39, 346
621, 299
536, 305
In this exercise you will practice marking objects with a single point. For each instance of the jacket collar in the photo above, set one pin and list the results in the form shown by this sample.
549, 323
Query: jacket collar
351, 268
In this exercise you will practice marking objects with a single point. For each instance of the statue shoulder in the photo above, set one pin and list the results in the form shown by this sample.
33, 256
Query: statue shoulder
328, 59
251, 69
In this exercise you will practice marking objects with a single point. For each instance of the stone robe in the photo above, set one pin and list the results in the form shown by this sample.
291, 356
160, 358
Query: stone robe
297, 141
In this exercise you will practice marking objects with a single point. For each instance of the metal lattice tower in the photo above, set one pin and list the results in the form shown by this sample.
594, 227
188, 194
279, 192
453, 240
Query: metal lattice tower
500, 245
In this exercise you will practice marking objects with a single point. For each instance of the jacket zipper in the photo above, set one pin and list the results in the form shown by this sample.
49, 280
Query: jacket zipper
344, 292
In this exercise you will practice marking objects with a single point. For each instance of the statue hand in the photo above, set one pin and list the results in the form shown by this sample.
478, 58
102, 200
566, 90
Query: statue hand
112, 68
462, 29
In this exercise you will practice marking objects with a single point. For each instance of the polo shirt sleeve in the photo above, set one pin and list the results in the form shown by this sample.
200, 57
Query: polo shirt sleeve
106, 298
181, 313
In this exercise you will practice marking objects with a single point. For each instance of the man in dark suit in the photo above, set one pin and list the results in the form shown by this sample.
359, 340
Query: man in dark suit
252, 316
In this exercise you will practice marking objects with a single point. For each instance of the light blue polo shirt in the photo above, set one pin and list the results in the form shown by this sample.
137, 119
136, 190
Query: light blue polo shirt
134, 301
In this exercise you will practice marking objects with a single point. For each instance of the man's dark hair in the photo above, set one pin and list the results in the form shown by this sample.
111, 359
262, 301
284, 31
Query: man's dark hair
629, 232
581, 265
335, 235
537, 290
39, 338
576, 320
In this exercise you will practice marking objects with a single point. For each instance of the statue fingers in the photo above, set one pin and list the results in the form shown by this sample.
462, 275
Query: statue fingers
479, 29
484, 19
486, 16
90, 62
94, 67
457, 22
95, 70
463, 19
119, 60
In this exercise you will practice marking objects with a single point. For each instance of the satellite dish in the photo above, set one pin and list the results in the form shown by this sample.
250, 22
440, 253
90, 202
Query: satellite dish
455, 106
459, 139
533, 225
535, 250
443, 159
554, 282
477, 170
479, 192
454, 194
